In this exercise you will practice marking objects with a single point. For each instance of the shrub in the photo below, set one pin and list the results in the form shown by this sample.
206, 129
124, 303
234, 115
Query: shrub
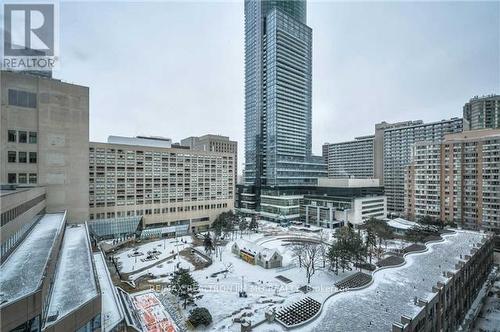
200, 316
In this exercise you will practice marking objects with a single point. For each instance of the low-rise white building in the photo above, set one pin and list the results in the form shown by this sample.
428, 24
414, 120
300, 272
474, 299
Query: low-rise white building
255, 254
340, 201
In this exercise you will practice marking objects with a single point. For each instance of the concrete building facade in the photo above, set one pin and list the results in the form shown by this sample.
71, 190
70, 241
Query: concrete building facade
342, 201
352, 200
21, 208
166, 186
214, 143
352, 159
423, 181
482, 113
393, 152
44, 138
457, 180
48, 281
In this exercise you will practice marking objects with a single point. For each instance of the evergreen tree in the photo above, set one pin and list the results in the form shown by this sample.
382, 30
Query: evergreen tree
333, 256
218, 224
200, 316
184, 287
357, 248
208, 244
228, 227
381, 230
370, 242
253, 224
243, 225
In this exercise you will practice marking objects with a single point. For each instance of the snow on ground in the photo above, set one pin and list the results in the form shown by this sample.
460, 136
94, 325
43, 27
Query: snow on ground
392, 293
129, 263
74, 282
162, 270
110, 311
22, 271
264, 291
395, 244
221, 293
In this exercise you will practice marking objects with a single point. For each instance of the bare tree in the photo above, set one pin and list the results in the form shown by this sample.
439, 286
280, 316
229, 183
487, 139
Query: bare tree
323, 250
308, 255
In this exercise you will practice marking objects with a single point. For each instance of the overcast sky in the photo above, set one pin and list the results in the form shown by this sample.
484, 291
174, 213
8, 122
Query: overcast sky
175, 69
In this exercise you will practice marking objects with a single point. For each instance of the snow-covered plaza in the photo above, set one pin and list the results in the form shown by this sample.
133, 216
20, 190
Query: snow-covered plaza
239, 292
222, 281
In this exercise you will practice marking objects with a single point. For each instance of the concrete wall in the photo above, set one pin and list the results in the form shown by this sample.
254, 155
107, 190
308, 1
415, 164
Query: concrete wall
13, 314
78, 318
14, 199
61, 120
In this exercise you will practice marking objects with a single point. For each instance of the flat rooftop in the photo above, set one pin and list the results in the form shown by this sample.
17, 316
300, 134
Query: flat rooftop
401, 223
394, 290
111, 311
22, 272
4, 191
153, 141
348, 183
74, 282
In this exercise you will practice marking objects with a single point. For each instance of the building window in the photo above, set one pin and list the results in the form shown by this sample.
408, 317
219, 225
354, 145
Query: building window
23, 137
22, 98
33, 178
11, 156
22, 157
32, 157
12, 137
12, 178
33, 137
22, 178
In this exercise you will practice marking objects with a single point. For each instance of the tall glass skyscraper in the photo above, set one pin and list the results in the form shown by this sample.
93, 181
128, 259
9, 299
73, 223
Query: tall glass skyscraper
278, 67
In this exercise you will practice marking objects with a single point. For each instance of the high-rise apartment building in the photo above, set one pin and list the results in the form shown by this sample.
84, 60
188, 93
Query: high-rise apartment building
44, 138
352, 159
471, 179
482, 112
168, 187
393, 151
457, 180
278, 68
423, 181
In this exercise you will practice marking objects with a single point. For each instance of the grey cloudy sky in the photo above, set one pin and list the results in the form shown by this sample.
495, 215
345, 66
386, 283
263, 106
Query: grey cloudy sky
175, 69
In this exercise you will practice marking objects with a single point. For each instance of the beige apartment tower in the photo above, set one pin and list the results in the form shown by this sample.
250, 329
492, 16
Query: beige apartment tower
457, 180
44, 139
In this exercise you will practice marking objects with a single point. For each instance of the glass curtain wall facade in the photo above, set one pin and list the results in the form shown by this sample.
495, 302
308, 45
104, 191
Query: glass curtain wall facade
278, 67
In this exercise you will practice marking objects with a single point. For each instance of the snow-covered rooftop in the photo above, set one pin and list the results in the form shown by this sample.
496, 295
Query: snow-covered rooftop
74, 282
254, 249
111, 311
401, 223
393, 291
22, 272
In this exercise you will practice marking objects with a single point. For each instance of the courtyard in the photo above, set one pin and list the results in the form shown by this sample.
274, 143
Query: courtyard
240, 292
